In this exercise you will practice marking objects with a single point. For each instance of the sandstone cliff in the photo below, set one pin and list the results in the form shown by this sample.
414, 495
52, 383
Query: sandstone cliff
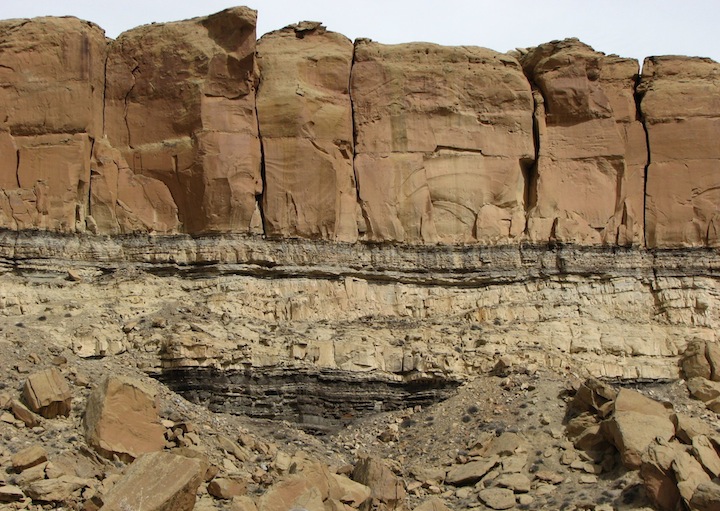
194, 127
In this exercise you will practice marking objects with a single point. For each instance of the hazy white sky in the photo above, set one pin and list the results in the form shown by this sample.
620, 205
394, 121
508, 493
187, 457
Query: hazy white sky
630, 28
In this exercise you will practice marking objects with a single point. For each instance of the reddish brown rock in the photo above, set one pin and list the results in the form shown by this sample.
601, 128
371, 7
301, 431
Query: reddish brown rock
51, 103
658, 476
180, 106
592, 151
47, 393
444, 136
122, 202
306, 125
681, 109
121, 419
157, 481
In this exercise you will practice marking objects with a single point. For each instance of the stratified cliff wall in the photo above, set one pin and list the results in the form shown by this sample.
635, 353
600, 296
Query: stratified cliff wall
408, 210
195, 127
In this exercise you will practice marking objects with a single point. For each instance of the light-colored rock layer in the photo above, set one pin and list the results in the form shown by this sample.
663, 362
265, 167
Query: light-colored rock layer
406, 312
305, 117
444, 135
591, 158
681, 108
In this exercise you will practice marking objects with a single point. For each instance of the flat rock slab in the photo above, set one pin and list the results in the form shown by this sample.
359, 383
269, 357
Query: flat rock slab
29, 457
469, 473
157, 481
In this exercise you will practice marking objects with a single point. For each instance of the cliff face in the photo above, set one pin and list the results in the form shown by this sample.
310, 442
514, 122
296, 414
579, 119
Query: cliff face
194, 127
550, 204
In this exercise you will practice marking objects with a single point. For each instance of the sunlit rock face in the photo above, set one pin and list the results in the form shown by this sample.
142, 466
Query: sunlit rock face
305, 116
681, 108
180, 107
591, 146
444, 136
51, 103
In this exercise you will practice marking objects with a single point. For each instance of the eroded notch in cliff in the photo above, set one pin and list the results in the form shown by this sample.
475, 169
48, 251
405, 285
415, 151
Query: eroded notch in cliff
639, 94
317, 401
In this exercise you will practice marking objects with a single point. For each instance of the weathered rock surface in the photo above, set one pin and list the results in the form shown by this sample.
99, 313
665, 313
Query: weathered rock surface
51, 97
157, 481
306, 124
591, 158
682, 116
121, 419
47, 393
180, 107
444, 136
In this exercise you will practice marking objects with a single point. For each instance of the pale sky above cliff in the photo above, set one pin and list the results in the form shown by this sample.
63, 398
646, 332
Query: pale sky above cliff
630, 28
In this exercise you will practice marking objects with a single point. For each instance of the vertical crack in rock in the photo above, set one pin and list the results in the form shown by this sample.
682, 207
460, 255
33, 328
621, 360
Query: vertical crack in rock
361, 209
639, 94
127, 105
17, 167
260, 199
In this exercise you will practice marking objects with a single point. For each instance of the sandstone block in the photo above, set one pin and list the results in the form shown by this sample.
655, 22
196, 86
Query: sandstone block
695, 362
704, 451
444, 137
636, 422
61, 489
305, 118
47, 393
470, 473
22, 413
385, 486
180, 108
352, 493
11, 493
689, 474
706, 497
589, 181
29, 457
682, 118
226, 489
497, 498
292, 493
703, 389
658, 477
121, 419
157, 481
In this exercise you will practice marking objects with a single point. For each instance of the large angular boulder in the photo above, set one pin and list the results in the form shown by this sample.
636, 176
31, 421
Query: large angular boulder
444, 140
589, 181
681, 110
180, 107
305, 117
47, 393
121, 419
157, 481
637, 421
386, 488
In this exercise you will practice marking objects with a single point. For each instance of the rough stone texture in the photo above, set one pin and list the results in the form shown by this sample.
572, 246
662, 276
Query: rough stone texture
592, 152
122, 202
497, 498
681, 110
636, 422
157, 481
706, 497
470, 473
121, 419
180, 106
47, 393
385, 486
29, 457
444, 136
305, 118
51, 102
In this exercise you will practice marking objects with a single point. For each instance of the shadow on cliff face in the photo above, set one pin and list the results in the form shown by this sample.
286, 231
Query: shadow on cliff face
317, 401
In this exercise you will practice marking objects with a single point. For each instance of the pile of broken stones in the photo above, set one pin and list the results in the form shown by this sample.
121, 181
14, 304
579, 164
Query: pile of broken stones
122, 450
